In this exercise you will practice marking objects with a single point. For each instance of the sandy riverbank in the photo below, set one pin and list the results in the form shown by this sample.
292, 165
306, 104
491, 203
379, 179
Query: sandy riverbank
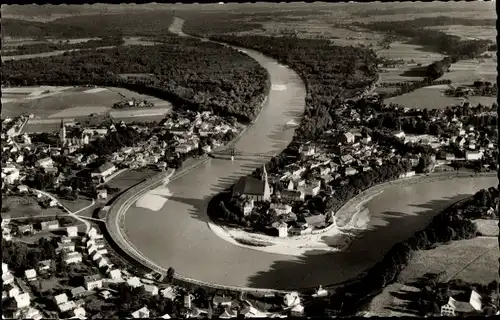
353, 217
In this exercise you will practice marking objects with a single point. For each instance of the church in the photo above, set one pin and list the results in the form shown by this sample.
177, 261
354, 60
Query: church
255, 189
73, 143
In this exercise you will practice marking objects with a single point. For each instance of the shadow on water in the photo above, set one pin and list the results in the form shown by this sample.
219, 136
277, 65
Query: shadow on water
316, 267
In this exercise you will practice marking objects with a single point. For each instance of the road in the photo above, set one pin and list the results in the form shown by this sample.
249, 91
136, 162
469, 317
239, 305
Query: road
70, 213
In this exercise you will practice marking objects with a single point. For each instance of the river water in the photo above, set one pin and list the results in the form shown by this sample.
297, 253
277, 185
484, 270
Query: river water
177, 235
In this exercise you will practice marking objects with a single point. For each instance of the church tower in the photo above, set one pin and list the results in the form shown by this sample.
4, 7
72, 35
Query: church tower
267, 190
62, 133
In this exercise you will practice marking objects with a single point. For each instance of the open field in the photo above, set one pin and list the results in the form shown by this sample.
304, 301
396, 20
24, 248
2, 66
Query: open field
434, 98
71, 102
129, 178
474, 260
487, 227
467, 71
26, 207
383, 304
469, 32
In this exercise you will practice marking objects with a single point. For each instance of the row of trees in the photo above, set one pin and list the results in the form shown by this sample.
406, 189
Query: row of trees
453, 223
188, 72
48, 46
407, 87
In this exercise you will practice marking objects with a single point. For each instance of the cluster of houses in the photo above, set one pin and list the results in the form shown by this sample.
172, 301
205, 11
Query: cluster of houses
346, 153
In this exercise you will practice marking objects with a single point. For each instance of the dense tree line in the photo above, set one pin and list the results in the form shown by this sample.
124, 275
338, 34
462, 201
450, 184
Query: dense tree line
407, 87
188, 72
330, 73
440, 41
453, 223
48, 47
95, 25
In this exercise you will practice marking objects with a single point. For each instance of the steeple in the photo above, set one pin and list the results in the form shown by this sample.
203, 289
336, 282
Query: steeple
267, 190
62, 133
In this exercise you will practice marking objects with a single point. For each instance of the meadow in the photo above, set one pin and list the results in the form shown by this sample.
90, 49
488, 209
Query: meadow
469, 32
71, 102
474, 260
434, 98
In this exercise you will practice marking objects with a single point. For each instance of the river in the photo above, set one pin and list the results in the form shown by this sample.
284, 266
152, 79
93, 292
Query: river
177, 235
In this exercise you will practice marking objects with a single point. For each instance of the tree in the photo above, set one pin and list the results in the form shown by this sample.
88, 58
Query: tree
170, 274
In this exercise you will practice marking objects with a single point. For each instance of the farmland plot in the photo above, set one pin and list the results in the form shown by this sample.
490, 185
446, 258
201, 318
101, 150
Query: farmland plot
434, 98
474, 260
469, 32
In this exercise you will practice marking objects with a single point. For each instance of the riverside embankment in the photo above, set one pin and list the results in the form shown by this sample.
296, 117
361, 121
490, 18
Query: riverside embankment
177, 235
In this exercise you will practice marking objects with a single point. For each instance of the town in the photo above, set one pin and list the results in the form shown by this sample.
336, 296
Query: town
301, 194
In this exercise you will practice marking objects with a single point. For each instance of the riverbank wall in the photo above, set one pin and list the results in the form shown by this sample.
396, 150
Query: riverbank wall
345, 215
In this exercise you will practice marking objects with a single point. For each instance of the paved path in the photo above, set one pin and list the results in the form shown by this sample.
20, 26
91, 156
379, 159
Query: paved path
70, 213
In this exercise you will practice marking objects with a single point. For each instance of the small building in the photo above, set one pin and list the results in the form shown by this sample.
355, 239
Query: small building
292, 195
93, 282
25, 229
5, 268
223, 301
297, 311
350, 171
187, 301
44, 265
103, 172
348, 138
282, 229
7, 278
102, 194
22, 188
14, 292
22, 300
228, 314
115, 274
49, 225
45, 163
317, 221
134, 282
461, 308
307, 150
66, 247
141, 313
320, 292
61, 298
67, 306
168, 293
72, 231
151, 289
30, 274
72, 257
473, 155
79, 313
291, 299
105, 294
281, 208
78, 292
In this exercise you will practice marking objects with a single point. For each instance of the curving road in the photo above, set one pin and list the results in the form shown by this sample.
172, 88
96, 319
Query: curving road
178, 235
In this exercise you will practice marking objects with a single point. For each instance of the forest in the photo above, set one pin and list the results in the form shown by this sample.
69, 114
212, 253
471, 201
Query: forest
191, 74
96, 25
62, 45
331, 73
